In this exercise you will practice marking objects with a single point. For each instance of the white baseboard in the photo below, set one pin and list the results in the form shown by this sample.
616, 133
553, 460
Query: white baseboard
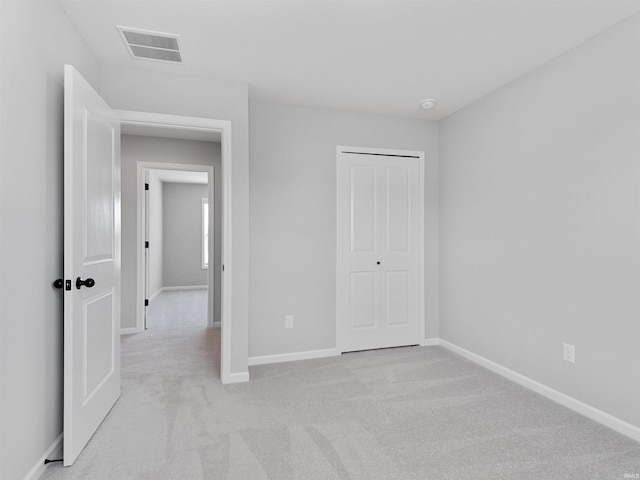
291, 357
217, 324
128, 330
54, 450
186, 287
582, 408
157, 292
430, 342
239, 377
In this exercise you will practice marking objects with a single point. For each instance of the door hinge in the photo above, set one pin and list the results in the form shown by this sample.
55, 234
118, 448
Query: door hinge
146, 244
146, 186
146, 302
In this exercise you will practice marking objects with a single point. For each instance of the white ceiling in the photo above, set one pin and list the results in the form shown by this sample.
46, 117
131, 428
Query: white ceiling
368, 56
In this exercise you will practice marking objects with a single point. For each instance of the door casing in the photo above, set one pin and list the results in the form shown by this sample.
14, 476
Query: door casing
142, 172
340, 347
128, 117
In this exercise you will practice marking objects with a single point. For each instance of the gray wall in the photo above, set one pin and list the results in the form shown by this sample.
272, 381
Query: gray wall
161, 150
293, 218
182, 231
540, 223
539, 217
36, 40
156, 242
155, 91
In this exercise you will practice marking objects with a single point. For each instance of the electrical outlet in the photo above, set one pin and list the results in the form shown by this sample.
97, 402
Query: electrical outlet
568, 353
288, 321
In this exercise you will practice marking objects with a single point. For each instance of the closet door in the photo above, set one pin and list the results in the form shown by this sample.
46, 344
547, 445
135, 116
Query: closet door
379, 250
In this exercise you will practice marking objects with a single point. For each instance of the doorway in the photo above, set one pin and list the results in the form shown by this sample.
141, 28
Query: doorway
189, 127
178, 217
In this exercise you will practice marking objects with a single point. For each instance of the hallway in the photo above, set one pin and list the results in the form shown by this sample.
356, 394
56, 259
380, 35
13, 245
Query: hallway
177, 309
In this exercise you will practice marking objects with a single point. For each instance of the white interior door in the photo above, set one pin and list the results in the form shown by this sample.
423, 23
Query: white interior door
379, 251
92, 256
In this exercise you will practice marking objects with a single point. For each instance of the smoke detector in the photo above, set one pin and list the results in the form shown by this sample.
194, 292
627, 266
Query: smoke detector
148, 45
427, 103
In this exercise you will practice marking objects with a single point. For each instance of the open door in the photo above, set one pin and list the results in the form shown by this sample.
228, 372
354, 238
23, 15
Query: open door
91, 262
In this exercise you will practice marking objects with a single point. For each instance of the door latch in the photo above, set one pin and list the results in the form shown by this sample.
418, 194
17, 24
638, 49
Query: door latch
59, 283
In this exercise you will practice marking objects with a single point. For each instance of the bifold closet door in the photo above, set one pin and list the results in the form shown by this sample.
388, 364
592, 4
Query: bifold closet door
378, 251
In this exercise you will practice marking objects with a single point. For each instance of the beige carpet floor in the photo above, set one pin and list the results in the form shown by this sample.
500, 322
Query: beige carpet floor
403, 413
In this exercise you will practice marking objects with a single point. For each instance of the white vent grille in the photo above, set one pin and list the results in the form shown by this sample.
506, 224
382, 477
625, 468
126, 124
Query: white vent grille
147, 45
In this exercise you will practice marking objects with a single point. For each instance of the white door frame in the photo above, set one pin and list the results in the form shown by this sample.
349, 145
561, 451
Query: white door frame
339, 283
142, 284
199, 124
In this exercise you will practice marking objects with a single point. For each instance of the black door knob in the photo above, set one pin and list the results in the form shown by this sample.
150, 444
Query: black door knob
59, 283
89, 282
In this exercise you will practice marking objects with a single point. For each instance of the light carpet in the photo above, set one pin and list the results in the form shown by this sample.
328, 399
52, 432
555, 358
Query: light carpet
402, 413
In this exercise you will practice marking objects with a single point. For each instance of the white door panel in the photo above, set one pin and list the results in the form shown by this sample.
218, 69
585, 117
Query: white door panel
363, 209
397, 296
97, 188
379, 250
91, 251
363, 298
98, 344
397, 212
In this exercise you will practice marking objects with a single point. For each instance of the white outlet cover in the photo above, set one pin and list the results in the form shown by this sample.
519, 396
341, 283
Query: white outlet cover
568, 353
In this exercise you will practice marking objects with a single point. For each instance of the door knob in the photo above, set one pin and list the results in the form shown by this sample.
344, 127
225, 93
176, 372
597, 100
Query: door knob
59, 283
89, 282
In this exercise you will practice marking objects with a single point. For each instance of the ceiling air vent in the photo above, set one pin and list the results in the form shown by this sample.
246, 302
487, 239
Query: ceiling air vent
147, 45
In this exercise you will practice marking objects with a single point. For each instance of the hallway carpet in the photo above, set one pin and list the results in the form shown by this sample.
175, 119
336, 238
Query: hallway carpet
402, 413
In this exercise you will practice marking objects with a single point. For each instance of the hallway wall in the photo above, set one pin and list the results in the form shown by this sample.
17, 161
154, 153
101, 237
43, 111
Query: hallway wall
182, 232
